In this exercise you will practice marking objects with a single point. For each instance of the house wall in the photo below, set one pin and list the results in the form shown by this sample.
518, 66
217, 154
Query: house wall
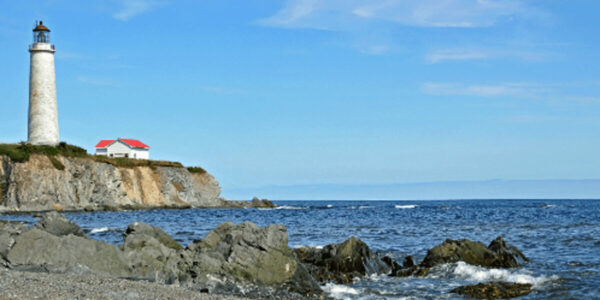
120, 149
140, 153
100, 151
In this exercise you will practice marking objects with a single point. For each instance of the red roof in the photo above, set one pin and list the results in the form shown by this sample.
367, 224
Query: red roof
104, 143
130, 142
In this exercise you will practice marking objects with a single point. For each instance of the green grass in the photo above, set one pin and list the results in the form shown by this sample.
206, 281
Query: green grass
131, 163
198, 170
56, 163
22, 151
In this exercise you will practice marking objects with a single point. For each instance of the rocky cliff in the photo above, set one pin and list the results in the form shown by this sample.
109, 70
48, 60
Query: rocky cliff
69, 183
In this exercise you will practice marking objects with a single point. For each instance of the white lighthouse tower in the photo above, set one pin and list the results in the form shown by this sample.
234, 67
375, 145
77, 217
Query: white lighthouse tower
43, 110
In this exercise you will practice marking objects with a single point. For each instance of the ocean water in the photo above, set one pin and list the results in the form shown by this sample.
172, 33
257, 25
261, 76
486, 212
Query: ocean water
561, 237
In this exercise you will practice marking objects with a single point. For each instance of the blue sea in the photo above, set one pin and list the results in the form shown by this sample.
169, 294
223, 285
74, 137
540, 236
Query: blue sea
561, 238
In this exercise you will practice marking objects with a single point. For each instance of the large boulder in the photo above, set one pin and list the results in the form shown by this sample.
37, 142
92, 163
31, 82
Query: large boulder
56, 224
247, 254
494, 290
341, 262
8, 232
39, 250
142, 229
497, 255
151, 253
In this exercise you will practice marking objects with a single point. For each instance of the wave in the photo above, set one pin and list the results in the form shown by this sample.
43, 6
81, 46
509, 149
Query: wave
312, 246
406, 206
102, 229
338, 291
548, 206
292, 207
468, 272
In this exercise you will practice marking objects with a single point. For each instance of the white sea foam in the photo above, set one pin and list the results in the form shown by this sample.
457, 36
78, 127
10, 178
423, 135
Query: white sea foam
405, 206
329, 205
291, 207
479, 274
365, 207
311, 246
101, 229
338, 291
548, 206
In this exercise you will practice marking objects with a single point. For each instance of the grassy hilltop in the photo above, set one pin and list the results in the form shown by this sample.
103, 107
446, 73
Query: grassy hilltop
22, 151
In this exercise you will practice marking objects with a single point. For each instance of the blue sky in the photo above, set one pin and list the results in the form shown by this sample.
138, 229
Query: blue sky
301, 92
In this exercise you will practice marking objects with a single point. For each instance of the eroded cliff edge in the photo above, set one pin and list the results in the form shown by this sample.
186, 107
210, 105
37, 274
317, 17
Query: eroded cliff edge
79, 183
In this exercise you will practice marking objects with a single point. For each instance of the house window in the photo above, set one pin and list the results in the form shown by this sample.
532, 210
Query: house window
126, 155
135, 155
111, 155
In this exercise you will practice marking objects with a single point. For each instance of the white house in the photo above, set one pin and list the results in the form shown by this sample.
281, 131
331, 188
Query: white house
123, 148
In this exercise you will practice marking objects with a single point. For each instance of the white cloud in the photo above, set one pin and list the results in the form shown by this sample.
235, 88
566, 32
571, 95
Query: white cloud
344, 14
505, 89
132, 8
479, 54
567, 93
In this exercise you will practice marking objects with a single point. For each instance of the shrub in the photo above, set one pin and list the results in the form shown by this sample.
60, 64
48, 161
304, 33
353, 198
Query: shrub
198, 170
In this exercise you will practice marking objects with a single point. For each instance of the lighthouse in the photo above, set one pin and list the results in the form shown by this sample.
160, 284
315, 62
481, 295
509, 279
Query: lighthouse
43, 110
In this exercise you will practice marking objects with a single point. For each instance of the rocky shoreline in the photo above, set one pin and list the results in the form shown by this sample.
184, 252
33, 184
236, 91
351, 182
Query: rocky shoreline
232, 260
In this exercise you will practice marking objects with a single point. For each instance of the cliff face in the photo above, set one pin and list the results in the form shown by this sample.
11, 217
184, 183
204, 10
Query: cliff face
38, 185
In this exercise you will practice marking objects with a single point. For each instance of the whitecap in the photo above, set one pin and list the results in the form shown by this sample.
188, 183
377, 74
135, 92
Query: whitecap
405, 206
468, 272
101, 229
291, 207
338, 291
364, 207
548, 206
311, 246
329, 205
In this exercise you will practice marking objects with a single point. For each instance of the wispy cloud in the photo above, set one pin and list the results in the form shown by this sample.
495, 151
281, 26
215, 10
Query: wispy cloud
494, 90
442, 55
132, 8
570, 93
344, 14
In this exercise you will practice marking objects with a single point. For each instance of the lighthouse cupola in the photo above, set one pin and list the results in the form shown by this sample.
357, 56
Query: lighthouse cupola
41, 33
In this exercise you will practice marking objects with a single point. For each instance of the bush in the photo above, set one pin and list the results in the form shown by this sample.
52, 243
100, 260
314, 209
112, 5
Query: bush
198, 170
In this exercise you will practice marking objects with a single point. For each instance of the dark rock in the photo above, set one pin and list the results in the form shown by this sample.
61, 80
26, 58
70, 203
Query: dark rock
262, 203
499, 255
39, 250
508, 256
246, 254
341, 262
408, 262
392, 263
494, 290
56, 224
